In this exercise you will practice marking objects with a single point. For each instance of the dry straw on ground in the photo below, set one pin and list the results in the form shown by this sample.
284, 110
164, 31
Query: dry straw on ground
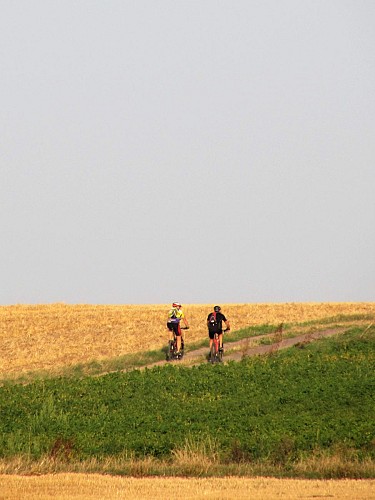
57, 335
93, 486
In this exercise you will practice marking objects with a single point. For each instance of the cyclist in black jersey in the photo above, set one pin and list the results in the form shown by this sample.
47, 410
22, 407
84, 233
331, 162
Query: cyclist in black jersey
215, 325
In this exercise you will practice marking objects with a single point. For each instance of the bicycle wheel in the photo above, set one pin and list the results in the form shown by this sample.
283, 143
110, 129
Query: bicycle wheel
220, 354
170, 352
182, 348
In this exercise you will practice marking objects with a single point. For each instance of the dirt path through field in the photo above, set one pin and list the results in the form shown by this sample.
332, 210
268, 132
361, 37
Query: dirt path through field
235, 351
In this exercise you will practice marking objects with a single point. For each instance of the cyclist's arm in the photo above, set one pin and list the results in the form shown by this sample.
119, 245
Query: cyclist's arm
227, 324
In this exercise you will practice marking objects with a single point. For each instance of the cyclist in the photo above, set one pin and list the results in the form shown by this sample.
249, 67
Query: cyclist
215, 325
175, 315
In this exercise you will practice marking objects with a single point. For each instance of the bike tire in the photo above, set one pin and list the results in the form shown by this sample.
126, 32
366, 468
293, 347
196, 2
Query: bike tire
213, 353
220, 356
182, 349
170, 352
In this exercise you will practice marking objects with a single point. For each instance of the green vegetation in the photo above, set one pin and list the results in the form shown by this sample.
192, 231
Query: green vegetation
316, 399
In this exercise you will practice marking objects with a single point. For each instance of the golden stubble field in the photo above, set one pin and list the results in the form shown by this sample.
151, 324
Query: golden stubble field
95, 486
48, 337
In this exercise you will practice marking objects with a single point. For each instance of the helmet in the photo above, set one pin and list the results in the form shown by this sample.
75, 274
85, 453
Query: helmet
217, 309
176, 304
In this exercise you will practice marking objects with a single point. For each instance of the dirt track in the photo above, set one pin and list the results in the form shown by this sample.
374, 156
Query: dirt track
235, 351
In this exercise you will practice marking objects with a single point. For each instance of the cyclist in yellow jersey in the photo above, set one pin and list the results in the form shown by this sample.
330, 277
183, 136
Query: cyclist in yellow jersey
175, 315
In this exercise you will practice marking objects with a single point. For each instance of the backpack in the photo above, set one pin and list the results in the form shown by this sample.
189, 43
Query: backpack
213, 324
173, 313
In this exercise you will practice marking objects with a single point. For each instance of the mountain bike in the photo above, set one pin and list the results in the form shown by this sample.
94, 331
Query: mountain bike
216, 354
172, 347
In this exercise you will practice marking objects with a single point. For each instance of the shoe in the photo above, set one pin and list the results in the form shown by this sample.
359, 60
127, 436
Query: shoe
221, 349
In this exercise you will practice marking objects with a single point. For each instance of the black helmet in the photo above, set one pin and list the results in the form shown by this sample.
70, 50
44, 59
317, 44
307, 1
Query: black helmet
217, 309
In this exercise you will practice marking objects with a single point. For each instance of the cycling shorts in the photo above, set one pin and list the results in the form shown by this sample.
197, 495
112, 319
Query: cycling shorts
174, 327
212, 334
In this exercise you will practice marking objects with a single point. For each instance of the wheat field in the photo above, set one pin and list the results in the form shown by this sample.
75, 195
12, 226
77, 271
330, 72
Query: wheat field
46, 337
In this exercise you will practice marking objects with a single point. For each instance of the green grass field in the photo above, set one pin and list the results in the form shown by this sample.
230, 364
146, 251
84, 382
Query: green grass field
276, 410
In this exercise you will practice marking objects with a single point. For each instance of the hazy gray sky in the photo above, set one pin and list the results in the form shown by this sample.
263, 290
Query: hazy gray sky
204, 151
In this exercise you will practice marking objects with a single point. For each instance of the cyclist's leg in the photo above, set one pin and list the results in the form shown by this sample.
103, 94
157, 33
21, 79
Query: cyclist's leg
211, 337
221, 340
171, 328
178, 335
182, 341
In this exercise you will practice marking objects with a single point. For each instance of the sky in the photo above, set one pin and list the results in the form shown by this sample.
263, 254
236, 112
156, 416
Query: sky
201, 151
